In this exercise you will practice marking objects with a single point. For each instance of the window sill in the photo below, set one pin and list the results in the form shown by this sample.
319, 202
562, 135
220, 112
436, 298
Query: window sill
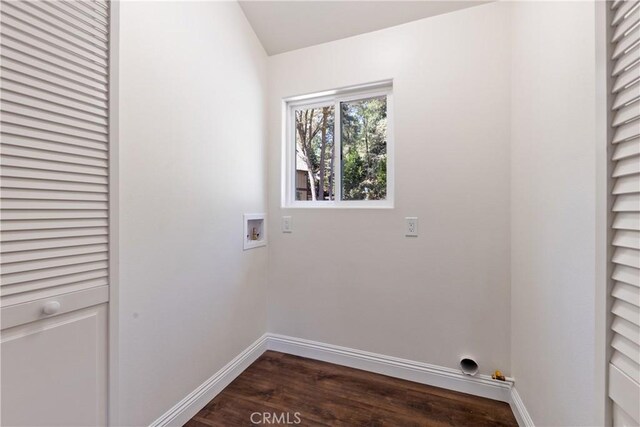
342, 205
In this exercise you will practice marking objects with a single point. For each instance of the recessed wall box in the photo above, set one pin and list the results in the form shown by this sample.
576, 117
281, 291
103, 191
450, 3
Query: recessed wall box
255, 231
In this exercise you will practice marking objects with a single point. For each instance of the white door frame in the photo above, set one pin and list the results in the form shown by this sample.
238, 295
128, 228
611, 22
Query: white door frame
113, 418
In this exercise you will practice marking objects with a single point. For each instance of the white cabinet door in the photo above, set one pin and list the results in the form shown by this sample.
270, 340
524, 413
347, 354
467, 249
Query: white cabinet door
54, 370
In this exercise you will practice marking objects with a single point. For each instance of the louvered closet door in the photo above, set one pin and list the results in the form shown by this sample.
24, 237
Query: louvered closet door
624, 367
54, 148
54, 213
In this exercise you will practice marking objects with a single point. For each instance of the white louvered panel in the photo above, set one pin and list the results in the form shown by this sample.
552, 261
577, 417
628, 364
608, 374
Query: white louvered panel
88, 29
48, 155
35, 275
628, 166
626, 131
53, 224
626, 95
625, 311
26, 256
622, 273
17, 130
624, 27
627, 293
60, 111
626, 333
85, 29
47, 165
17, 172
89, 9
31, 204
91, 31
627, 239
623, 10
52, 282
626, 203
21, 193
23, 214
38, 184
93, 166
626, 221
628, 113
40, 95
66, 242
624, 391
624, 366
58, 61
52, 75
622, 419
38, 47
102, 3
57, 147
81, 11
46, 116
53, 148
627, 184
627, 257
17, 17
626, 149
84, 258
35, 30
626, 60
15, 75
96, 82
625, 346
30, 235
625, 80
69, 53
52, 127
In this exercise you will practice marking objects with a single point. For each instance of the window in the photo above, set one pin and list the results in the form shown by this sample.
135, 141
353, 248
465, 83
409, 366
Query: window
338, 149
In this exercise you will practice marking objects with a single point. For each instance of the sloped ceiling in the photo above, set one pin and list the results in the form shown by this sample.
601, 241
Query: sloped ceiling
282, 26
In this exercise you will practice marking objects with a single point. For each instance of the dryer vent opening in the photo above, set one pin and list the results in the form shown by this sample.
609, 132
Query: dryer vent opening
468, 366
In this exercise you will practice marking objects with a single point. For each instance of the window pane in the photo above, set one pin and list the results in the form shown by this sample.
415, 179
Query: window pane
314, 153
364, 149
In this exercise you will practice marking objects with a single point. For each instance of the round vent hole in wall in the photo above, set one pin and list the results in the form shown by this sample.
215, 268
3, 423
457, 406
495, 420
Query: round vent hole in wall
468, 366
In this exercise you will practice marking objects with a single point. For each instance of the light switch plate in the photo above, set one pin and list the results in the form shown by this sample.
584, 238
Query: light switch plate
287, 224
411, 226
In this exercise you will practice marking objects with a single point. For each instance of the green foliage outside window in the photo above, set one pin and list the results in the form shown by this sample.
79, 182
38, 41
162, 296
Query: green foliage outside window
364, 149
363, 153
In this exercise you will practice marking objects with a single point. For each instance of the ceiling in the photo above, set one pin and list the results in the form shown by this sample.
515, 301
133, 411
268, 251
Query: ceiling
282, 26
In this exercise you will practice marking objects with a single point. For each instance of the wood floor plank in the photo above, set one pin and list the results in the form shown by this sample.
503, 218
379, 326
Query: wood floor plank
324, 394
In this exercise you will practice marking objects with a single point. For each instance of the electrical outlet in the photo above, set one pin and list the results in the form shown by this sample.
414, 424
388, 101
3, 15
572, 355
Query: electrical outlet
411, 226
287, 224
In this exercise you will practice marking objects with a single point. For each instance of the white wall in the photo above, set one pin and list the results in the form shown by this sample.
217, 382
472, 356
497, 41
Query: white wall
495, 145
192, 142
553, 189
351, 277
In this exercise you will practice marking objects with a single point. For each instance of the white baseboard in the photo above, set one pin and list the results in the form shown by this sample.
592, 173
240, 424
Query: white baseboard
184, 410
423, 373
519, 410
438, 376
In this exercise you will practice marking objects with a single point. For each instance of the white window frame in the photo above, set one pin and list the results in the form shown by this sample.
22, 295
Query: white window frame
323, 99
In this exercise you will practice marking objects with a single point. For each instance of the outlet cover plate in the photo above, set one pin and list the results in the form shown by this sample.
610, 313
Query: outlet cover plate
411, 226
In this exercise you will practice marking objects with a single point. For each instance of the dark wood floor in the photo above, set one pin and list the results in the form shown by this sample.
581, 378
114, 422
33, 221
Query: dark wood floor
323, 394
